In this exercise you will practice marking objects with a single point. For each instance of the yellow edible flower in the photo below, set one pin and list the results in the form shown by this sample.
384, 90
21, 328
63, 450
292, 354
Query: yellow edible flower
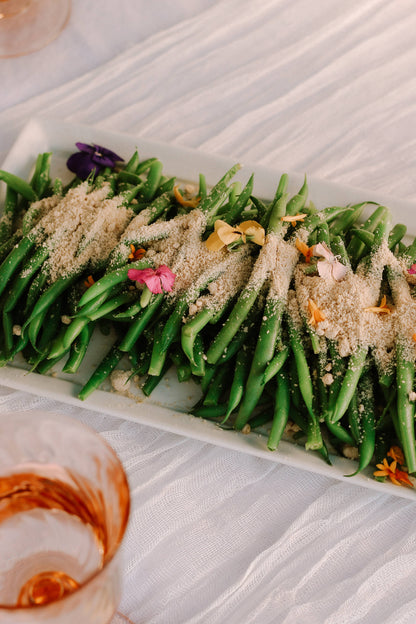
225, 234
293, 219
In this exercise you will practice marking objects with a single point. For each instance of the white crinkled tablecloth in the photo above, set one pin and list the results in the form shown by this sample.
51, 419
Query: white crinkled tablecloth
323, 87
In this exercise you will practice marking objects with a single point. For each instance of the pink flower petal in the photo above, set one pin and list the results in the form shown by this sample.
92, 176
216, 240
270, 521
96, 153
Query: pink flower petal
321, 249
324, 269
412, 270
167, 278
334, 270
153, 284
339, 271
140, 275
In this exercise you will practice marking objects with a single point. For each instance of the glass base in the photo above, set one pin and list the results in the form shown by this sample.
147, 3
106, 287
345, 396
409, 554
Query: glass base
118, 618
33, 26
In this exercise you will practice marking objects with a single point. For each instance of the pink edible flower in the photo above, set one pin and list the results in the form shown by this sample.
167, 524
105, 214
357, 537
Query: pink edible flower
157, 280
330, 267
412, 270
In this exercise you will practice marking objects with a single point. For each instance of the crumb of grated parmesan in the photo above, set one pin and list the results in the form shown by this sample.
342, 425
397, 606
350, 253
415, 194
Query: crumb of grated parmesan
86, 226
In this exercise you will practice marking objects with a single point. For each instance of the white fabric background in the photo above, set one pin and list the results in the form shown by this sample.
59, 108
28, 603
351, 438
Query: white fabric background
328, 88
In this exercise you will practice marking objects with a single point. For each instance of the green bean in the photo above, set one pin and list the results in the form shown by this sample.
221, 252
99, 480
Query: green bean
169, 333
130, 313
349, 384
275, 364
339, 250
103, 370
281, 410
202, 190
42, 181
344, 223
140, 323
241, 370
241, 202
296, 204
7, 246
396, 234
35, 288
219, 192
78, 349
249, 294
323, 234
217, 385
17, 184
262, 210
405, 407
51, 294
354, 419
145, 165
197, 363
46, 365
265, 347
153, 380
235, 190
314, 441
152, 182
111, 279
192, 328
367, 431
9, 214
132, 163
50, 327
183, 369
22, 280
111, 304
339, 432
356, 248
13, 260
209, 412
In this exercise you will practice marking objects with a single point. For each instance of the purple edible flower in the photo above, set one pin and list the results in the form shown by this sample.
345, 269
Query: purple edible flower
91, 158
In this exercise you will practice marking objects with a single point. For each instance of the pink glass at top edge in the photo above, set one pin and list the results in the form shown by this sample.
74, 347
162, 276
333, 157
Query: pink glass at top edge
29, 25
60, 450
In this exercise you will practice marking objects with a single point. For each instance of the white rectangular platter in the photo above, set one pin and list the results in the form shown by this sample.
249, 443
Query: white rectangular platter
167, 407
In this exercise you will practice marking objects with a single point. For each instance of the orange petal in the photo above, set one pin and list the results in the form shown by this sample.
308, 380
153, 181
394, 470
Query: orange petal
219, 223
383, 308
403, 476
394, 480
188, 203
316, 315
306, 251
396, 453
254, 229
380, 473
214, 243
228, 234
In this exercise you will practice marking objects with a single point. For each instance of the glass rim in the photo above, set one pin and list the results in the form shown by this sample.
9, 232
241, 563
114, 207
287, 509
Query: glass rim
123, 526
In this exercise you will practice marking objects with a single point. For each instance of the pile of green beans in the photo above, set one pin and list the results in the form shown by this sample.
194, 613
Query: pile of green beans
256, 368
